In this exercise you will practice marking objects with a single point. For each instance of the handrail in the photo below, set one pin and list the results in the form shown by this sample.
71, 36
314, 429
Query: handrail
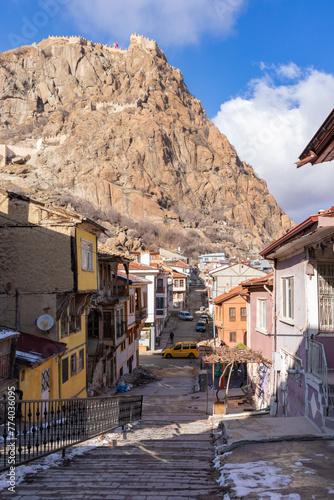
31, 429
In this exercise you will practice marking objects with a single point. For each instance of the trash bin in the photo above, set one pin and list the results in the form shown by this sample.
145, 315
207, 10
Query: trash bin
203, 380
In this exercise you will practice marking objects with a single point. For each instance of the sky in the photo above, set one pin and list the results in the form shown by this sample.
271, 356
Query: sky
261, 68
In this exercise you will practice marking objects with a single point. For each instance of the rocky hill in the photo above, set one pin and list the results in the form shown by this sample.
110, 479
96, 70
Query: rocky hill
117, 134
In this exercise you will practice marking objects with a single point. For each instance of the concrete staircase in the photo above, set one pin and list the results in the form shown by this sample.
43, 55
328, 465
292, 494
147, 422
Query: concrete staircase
168, 455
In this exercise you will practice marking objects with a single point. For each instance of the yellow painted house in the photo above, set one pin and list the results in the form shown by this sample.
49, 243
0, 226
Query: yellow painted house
50, 275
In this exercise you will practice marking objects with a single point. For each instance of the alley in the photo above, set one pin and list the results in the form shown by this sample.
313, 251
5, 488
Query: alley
168, 455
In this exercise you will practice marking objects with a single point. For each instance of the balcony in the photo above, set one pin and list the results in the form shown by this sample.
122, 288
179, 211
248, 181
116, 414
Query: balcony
141, 313
161, 313
161, 289
5, 366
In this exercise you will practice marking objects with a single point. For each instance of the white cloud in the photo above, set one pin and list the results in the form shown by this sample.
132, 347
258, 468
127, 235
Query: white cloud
167, 21
270, 127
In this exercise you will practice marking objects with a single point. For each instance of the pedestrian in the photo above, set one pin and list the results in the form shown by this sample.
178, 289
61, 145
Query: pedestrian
171, 337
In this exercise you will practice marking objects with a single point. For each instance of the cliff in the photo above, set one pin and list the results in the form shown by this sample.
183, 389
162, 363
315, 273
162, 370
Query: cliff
119, 128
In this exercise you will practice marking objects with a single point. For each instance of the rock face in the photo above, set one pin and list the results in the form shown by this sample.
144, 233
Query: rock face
119, 128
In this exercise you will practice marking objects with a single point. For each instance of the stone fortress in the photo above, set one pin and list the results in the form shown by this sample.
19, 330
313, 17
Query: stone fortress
146, 43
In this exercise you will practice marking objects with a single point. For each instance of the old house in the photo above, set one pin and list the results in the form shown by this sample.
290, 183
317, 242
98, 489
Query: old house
48, 279
230, 317
180, 290
107, 320
37, 361
127, 353
259, 335
8, 345
303, 301
226, 277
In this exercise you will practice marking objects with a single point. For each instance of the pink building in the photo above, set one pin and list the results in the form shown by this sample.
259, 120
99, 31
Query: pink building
259, 336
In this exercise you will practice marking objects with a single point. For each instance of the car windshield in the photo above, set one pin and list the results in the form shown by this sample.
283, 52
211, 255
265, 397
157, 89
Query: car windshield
187, 314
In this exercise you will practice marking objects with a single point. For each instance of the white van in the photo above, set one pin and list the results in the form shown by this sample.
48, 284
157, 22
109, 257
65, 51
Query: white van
185, 315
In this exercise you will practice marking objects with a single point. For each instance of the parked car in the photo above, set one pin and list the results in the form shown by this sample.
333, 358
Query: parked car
185, 315
200, 327
204, 318
182, 350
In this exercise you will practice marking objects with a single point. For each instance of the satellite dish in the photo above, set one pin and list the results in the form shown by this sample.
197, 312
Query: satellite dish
45, 322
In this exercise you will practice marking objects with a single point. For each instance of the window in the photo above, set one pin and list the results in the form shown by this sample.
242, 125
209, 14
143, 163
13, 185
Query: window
64, 370
232, 313
87, 255
288, 297
93, 324
185, 346
73, 364
160, 302
176, 283
177, 347
233, 336
261, 314
144, 299
63, 324
23, 375
181, 283
132, 304
123, 346
81, 361
74, 316
326, 296
108, 327
243, 313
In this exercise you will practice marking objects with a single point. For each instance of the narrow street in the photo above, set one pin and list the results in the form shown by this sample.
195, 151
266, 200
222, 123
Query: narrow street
168, 455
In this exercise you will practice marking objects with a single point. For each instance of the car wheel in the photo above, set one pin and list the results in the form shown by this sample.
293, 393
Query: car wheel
168, 356
191, 355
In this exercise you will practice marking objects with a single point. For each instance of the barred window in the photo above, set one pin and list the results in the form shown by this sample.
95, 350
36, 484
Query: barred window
326, 296
81, 363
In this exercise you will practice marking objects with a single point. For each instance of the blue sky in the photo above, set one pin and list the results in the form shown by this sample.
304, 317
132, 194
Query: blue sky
263, 70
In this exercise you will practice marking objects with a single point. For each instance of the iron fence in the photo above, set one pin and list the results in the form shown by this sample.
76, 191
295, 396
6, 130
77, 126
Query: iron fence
31, 429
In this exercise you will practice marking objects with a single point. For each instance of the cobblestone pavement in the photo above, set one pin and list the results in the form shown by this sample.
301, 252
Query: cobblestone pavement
168, 455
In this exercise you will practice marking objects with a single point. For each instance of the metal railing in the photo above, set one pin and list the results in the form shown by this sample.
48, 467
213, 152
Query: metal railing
317, 365
32, 429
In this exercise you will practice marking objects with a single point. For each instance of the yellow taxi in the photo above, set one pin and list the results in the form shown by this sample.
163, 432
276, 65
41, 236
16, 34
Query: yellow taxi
186, 349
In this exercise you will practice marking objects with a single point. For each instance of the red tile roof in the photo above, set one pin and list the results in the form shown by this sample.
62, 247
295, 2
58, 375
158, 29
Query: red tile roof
179, 275
263, 280
238, 290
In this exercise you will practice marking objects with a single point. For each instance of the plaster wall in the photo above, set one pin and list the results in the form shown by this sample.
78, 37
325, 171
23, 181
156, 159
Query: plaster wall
230, 277
87, 280
292, 329
259, 340
32, 383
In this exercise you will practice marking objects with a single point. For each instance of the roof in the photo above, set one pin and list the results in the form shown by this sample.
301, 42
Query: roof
57, 211
238, 290
321, 147
32, 350
6, 333
265, 280
177, 263
306, 228
136, 266
179, 275
134, 279
105, 253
